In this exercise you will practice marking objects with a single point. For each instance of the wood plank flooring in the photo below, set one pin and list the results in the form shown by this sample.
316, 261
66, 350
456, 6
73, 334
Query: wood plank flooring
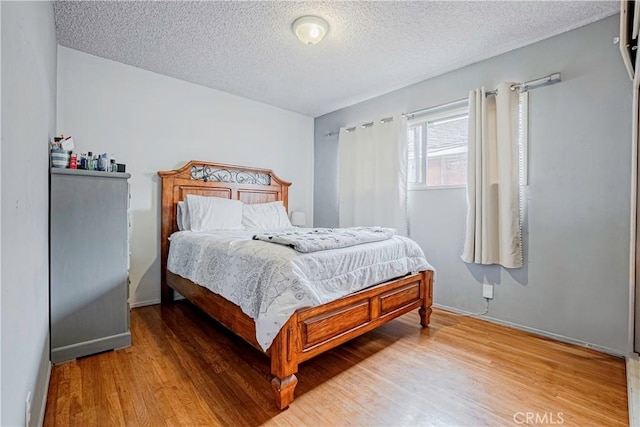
186, 370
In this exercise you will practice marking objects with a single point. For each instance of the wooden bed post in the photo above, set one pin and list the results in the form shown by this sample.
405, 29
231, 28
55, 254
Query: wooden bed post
427, 299
166, 228
284, 363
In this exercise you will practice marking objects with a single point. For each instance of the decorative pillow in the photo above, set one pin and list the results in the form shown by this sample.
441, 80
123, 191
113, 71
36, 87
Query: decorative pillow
266, 216
213, 213
182, 217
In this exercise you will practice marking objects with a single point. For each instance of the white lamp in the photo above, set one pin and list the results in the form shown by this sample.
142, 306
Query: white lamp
310, 29
298, 219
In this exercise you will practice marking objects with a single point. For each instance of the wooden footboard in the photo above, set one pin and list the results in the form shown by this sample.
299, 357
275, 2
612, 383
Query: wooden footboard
322, 328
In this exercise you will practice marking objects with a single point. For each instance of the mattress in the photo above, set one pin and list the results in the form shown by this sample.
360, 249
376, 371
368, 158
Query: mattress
269, 282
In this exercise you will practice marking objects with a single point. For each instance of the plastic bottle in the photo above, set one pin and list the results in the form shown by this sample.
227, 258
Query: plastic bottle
89, 161
94, 163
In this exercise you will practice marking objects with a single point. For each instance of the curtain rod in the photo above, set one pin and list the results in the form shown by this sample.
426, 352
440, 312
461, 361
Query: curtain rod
531, 84
542, 81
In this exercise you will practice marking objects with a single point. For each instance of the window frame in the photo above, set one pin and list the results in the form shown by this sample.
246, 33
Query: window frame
422, 122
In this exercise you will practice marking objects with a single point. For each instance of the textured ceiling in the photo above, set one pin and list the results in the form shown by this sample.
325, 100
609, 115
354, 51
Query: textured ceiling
248, 48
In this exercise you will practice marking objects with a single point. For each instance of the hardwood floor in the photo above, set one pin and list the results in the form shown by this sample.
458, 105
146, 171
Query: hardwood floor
185, 369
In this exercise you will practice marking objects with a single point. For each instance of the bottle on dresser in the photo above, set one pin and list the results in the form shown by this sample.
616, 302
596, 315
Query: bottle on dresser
89, 161
94, 162
104, 162
83, 161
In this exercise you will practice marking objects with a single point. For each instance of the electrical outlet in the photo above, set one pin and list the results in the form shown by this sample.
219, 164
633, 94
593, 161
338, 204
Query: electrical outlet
487, 291
27, 410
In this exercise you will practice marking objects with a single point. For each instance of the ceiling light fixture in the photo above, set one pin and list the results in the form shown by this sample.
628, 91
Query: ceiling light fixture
310, 29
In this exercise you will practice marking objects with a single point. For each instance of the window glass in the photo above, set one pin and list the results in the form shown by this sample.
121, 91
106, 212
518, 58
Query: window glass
443, 138
447, 151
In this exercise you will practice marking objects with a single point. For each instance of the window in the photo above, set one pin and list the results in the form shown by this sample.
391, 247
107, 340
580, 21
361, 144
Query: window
438, 149
442, 135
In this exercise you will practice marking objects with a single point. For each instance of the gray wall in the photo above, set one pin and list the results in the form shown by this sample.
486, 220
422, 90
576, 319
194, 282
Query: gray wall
574, 284
29, 53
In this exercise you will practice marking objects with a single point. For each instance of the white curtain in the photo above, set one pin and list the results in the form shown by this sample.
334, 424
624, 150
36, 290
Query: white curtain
372, 181
493, 222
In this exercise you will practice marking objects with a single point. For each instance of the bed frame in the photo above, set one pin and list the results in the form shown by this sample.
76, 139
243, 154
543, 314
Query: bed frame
310, 330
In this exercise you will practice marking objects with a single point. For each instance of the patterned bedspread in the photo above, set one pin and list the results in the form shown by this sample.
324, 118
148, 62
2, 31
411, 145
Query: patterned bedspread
320, 239
269, 282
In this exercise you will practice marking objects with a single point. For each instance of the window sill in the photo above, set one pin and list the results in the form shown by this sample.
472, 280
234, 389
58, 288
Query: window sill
439, 187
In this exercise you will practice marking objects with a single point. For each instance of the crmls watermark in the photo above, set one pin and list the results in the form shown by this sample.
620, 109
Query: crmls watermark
547, 418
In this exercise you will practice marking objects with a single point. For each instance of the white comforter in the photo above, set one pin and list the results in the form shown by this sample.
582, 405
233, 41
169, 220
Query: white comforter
269, 281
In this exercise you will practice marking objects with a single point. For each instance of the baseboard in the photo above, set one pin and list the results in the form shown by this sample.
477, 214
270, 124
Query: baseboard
137, 304
45, 393
41, 387
535, 331
633, 390
144, 303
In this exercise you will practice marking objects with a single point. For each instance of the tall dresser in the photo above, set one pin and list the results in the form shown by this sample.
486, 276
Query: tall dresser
89, 257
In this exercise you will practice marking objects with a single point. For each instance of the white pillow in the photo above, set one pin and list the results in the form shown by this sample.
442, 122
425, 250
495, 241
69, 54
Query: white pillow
182, 217
266, 216
213, 213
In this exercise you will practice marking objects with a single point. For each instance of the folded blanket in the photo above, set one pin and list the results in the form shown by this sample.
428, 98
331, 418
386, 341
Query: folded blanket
319, 239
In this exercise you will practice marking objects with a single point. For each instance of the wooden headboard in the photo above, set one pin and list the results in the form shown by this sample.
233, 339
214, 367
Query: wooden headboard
249, 185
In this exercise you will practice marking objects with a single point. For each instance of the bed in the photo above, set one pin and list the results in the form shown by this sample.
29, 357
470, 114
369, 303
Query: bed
309, 331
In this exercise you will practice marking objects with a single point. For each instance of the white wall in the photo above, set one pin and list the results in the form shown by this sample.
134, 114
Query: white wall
28, 120
153, 122
575, 280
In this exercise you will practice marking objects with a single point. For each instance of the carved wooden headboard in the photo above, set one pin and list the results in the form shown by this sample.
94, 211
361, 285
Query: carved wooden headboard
249, 185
